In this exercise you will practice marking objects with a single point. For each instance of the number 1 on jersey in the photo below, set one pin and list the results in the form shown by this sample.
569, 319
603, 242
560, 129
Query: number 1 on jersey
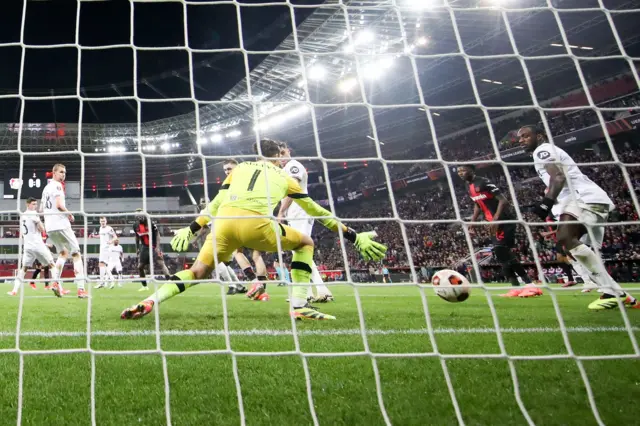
253, 180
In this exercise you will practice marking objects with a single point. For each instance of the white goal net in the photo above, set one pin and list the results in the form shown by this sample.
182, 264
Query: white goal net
382, 101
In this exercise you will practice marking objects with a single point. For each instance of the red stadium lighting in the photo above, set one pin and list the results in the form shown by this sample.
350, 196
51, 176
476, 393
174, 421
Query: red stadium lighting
109, 187
170, 184
154, 185
124, 186
186, 183
139, 185
344, 165
49, 175
93, 188
366, 164
201, 181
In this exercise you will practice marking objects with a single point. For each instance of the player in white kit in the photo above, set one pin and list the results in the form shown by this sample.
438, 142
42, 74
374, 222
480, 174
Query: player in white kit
574, 197
57, 223
107, 236
33, 248
114, 261
299, 220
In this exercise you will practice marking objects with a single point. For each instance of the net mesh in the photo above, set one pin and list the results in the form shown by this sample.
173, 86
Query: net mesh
355, 58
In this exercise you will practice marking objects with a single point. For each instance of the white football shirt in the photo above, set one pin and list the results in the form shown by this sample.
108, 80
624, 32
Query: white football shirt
114, 253
107, 234
584, 189
297, 171
54, 219
31, 235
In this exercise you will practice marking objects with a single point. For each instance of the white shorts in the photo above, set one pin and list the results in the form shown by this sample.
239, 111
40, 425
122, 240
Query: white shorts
116, 265
592, 216
104, 255
31, 254
302, 225
64, 239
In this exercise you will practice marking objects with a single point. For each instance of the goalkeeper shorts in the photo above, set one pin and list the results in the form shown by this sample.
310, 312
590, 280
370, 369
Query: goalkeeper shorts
257, 233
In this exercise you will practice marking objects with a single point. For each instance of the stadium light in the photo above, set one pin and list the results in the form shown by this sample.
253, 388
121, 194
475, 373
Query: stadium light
165, 146
348, 84
116, 149
519, 87
234, 134
217, 138
349, 48
201, 141
422, 41
419, 4
301, 82
316, 72
365, 36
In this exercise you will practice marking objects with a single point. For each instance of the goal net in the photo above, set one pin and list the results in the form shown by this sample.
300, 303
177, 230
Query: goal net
381, 101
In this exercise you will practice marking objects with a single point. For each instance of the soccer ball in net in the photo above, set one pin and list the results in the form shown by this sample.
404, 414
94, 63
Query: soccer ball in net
451, 286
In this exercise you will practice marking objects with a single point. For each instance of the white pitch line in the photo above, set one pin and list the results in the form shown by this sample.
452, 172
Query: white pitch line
339, 332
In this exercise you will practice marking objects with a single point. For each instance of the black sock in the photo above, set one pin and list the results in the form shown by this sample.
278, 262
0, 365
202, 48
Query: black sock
568, 270
248, 272
262, 279
143, 275
519, 269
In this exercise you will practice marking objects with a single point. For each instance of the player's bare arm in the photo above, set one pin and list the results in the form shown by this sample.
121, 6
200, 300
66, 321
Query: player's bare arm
502, 204
557, 181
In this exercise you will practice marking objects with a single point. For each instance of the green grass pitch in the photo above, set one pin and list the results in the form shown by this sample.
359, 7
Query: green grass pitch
130, 388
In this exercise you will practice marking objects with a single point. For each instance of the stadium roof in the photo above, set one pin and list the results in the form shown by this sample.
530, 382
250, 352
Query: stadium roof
391, 44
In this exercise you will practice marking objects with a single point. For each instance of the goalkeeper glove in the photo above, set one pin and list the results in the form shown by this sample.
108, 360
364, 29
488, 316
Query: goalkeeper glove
368, 248
180, 242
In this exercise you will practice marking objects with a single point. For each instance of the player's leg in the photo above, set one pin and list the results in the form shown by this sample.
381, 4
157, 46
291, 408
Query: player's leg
512, 269
28, 257
46, 274
234, 278
323, 293
182, 280
34, 277
567, 270
163, 266
260, 287
569, 235
108, 275
223, 275
244, 264
59, 242
143, 262
78, 265
103, 259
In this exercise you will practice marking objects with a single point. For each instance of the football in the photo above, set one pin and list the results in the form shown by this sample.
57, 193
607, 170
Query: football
451, 286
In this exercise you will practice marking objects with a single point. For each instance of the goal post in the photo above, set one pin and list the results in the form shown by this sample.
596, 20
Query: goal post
382, 100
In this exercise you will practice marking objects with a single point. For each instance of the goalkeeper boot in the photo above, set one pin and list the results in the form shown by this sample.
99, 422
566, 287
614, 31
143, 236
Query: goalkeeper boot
608, 301
232, 290
310, 312
256, 290
138, 311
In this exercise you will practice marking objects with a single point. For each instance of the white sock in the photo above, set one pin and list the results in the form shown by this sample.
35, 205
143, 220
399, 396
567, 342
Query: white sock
582, 271
103, 270
234, 277
56, 272
222, 272
19, 280
597, 272
316, 279
78, 268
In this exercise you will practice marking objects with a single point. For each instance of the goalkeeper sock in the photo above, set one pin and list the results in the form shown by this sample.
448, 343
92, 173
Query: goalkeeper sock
301, 273
262, 279
248, 272
599, 275
167, 291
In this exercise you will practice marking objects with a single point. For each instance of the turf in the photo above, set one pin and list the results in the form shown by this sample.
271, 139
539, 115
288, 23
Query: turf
130, 388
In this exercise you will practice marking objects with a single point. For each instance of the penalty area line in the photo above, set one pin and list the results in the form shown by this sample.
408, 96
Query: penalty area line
338, 332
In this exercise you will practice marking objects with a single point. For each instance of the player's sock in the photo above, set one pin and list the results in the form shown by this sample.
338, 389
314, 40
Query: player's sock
301, 273
143, 275
222, 272
316, 279
234, 277
56, 273
78, 269
263, 279
248, 272
19, 280
167, 291
581, 270
35, 275
103, 270
598, 273
568, 271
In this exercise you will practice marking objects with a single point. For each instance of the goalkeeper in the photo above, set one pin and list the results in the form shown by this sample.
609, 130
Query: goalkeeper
253, 189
